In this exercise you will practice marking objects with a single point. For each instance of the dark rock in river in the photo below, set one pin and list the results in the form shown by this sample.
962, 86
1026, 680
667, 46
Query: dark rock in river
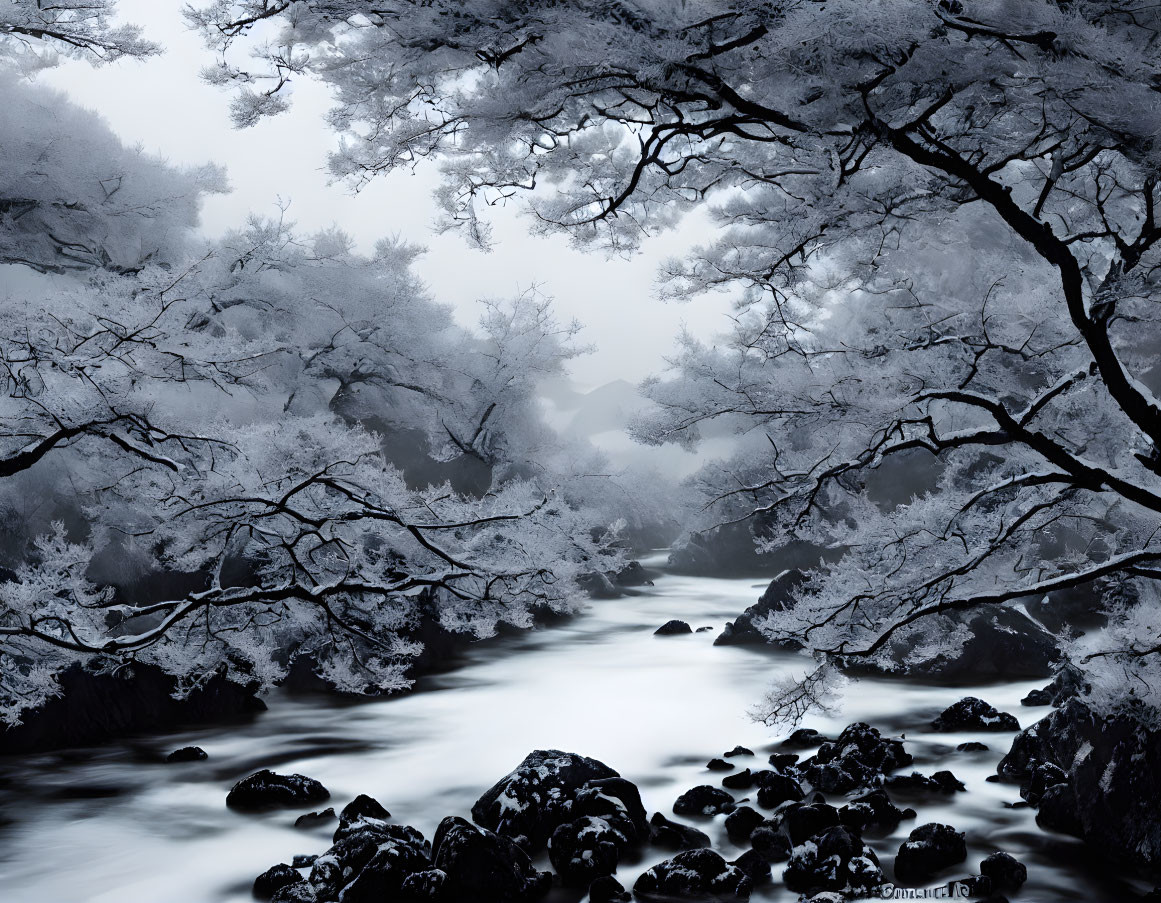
274, 879
672, 835
361, 812
783, 760
719, 765
972, 746
800, 823
537, 796
739, 751
857, 758
1114, 771
302, 892
1004, 644
382, 878
973, 714
672, 628
873, 810
484, 866
586, 849
835, 860
704, 800
754, 866
608, 890
395, 850
1067, 684
927, 850
804, 738
93, 707
741, 822
940, 782
187, 754
769, 843
739, 780
694, 875
776, 788
427, 886
314, 819
1005, 871
777, 597
265, 789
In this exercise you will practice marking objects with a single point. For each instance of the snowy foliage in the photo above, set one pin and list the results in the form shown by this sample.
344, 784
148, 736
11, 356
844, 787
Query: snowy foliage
223, 413
941, 219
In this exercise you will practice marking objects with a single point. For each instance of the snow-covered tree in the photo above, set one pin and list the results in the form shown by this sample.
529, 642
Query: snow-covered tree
941, 217
187, 405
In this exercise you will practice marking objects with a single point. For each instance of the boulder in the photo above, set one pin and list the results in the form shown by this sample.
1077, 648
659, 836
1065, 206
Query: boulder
972, 746
704, 800
800, 823
608, 890
1005, 644
873, 810
804, 738
187, 754
776, 788
382, 877
673, 628
738, 751
1006, 872
834, 860
274, 879
719, 765
772, 845
536, 797
741, 822
754, 866
858, 757
302, 892
783, 761
586, 849
484, 866
927, 850
777, 597
739, 780
265, 789
1114, 779
314, 819
427, 886
394, 850
361, 812
694, 875
973, 714
940, 782
672, 835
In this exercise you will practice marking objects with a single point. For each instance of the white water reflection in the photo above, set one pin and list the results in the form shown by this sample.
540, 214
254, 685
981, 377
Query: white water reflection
654, 708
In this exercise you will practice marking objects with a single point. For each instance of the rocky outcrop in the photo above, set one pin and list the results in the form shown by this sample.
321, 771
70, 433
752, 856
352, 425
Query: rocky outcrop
777, 597
1112, 768
187, 754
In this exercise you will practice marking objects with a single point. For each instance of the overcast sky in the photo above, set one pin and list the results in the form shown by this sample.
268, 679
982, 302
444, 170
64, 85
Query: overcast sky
162, 105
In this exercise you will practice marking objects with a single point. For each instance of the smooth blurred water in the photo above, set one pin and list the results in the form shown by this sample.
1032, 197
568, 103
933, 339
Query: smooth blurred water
108, 825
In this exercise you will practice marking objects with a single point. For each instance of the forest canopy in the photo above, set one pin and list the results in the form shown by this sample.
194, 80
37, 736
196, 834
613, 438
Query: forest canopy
941, 215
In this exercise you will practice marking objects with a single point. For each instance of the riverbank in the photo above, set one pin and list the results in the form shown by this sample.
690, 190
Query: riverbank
116, 823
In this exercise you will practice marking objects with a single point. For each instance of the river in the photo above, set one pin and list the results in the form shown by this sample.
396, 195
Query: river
113, 825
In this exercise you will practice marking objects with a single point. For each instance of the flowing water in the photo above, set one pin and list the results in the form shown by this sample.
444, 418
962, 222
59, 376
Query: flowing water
113, 825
